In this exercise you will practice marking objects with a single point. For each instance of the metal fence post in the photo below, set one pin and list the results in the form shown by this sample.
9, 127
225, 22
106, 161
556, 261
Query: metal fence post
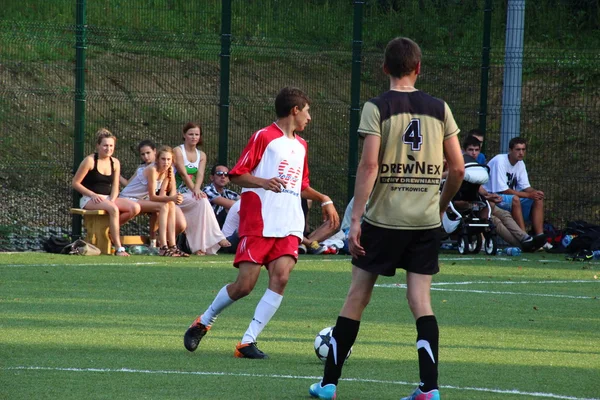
355, 95
225, 76
485, 67
80, 99
513, 73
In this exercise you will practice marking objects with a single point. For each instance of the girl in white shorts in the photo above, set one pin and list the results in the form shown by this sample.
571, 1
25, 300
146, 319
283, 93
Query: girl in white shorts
153, 187
97, 179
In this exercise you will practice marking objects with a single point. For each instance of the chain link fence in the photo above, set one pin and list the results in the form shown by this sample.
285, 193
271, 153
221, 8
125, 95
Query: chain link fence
153, 65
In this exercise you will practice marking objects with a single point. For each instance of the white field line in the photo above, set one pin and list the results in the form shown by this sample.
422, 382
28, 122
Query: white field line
277, 376
75, 265
512, 282
434, 287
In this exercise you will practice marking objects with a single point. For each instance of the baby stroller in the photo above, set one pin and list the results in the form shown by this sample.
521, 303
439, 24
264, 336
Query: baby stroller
464, 217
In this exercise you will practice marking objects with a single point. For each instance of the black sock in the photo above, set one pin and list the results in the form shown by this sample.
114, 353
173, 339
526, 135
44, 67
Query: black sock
343, 337
428, 341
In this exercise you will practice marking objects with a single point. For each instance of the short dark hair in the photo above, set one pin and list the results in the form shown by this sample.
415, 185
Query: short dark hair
475, 131
213, 170
288, 98
517, 140
144, 143
401, 57
471, 141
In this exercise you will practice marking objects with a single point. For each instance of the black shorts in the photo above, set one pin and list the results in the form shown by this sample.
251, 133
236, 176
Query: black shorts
389, 249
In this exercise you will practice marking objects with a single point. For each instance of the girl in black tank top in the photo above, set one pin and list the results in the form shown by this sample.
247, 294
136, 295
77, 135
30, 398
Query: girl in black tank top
97, 182
100, 192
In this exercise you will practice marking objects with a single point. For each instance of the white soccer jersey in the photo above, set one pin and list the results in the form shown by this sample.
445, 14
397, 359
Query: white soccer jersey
268, 154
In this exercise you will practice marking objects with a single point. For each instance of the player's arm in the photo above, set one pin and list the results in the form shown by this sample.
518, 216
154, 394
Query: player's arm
247, 180
328, 209
366, 175
456, 171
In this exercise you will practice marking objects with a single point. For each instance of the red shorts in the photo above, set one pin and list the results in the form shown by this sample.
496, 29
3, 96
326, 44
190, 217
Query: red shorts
262, 250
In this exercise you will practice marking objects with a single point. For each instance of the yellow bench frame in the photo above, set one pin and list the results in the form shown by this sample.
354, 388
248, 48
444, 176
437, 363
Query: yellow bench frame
96, 227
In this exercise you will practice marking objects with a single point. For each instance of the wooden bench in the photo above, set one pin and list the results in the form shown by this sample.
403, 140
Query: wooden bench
96, 228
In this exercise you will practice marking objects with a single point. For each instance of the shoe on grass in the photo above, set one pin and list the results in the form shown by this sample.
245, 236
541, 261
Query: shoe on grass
194, 334
316, 248
326, 392
249, 350
419, 395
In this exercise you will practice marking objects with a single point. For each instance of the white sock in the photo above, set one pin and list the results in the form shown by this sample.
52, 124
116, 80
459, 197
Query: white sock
266, 308
221, 302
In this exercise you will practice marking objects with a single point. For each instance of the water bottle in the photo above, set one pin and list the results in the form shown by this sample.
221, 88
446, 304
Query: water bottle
512, 251
138, 250
566, 240
596, 254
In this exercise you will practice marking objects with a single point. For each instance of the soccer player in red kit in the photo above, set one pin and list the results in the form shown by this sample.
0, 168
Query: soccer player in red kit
273, 170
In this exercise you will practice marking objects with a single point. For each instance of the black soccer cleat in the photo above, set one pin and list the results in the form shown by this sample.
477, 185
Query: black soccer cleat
248, 350
194, 334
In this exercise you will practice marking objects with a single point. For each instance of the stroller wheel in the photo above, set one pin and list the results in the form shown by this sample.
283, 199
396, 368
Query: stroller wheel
463, 244
491, 248
475, 243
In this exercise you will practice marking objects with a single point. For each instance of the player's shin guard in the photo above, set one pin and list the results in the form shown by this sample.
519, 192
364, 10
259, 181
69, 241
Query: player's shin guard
343, 337
427, 348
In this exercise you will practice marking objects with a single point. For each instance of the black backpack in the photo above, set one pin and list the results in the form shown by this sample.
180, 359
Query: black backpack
55, 244
588, 236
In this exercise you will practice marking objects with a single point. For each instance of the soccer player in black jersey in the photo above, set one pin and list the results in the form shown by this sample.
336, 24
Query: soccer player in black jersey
406, 134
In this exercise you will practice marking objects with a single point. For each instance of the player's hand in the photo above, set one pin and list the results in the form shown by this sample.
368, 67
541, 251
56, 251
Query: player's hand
356, 250
330, 214
274, 184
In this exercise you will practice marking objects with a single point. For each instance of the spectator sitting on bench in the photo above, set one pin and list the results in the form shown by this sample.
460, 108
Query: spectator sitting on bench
221, 198
153, 188
509, 178
506, 227
311, 242
477, 134
203, 233
97, 180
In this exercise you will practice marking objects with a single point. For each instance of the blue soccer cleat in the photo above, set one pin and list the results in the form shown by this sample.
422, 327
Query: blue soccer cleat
419, 395
326, 392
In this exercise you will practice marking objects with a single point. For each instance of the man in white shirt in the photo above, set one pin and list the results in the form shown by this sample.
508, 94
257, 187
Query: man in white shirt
509, 178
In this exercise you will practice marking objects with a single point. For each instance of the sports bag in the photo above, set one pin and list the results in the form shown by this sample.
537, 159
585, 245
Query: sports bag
55, 244
81, 248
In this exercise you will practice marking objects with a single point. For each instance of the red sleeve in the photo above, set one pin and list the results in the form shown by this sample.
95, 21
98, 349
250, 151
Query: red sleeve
251, 155
305, 180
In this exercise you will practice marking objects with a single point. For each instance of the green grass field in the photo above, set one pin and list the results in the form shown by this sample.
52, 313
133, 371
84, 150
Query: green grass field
111, 328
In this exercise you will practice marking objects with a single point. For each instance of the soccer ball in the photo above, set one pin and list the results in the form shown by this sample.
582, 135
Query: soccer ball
322, 344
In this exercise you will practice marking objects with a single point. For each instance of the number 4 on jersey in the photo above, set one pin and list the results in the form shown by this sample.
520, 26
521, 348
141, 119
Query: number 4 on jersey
412, 134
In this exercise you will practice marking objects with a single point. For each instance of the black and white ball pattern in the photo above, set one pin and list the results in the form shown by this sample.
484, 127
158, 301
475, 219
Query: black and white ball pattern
322, 344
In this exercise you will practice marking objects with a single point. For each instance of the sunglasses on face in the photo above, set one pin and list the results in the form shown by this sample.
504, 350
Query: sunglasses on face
221, 173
